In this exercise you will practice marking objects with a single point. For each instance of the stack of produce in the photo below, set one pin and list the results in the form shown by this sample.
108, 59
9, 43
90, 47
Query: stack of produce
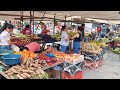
117, 39
91, 47
26, 54
20, 41
23, 72
56, 36
99, 43
68, 57
50, 61
116, 50
71, 34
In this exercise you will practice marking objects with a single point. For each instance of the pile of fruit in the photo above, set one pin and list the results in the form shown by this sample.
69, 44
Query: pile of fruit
26, 54
68, 57
116, 50
20, 41
50, 61
71, 34
99, 43
91, 47
23, 72
117, 39
56, 36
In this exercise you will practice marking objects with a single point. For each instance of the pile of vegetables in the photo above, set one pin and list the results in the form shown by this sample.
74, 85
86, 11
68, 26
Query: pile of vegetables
117, 39
116, 50
56, 36
26, 54
91, 47
71, 34
23, 72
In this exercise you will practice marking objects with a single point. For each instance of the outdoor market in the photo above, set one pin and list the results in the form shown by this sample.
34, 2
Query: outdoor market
59, 44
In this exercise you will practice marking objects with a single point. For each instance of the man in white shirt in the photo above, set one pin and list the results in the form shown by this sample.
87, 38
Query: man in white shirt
64, 40
5, 42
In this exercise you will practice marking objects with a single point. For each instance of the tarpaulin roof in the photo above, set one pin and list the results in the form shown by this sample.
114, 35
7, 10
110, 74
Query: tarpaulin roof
112, 16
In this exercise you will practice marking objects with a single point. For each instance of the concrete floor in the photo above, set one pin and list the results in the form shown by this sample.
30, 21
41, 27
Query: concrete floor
109, 70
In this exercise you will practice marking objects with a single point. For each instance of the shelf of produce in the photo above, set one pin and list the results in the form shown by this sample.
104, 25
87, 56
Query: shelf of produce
53, 64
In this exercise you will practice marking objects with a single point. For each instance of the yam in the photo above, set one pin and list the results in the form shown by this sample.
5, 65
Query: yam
8, 71
13, 70
35, 65
41, 71
27, 71
11, 73
37, 72
22, 75
19, 76
17, 67
11, 77
27, 75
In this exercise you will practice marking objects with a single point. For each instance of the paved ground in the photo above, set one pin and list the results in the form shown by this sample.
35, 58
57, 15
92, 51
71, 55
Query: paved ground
109, 70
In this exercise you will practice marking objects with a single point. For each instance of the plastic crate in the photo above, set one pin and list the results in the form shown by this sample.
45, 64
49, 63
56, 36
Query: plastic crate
65, 75
5, 52
11, 59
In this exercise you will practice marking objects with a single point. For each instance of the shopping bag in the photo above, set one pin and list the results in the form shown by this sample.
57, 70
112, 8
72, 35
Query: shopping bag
15, 48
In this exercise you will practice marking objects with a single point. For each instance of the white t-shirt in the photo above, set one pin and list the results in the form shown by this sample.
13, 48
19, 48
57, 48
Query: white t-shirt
5, 36
64, 36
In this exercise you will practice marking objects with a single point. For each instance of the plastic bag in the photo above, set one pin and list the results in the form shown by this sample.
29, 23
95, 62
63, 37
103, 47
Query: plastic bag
15, 48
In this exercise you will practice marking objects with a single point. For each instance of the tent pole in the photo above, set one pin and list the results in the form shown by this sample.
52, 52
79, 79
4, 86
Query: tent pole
65, 19
54, 26
33, 25
30, 21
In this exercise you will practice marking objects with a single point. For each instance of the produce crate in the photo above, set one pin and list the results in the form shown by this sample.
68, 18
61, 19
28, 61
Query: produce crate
66, 75
11, 59
5, 52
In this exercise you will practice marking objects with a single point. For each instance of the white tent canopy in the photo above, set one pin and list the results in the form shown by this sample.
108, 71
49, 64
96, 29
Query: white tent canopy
98, 16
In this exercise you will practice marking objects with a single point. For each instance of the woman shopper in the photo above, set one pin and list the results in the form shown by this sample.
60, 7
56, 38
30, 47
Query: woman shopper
5, 42
76, 43
64, 39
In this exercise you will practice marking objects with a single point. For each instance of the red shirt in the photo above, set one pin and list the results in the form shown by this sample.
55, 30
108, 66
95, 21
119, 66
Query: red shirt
33, 47
24, 31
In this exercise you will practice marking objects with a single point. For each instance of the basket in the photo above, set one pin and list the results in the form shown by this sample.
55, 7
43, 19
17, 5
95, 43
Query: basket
5, 52
78, 75
11, 59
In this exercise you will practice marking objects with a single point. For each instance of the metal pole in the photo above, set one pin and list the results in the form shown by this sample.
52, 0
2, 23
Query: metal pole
33, 25
54, 26
65, 19
30, 21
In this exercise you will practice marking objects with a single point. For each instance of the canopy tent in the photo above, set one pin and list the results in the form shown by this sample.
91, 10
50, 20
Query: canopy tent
102, 16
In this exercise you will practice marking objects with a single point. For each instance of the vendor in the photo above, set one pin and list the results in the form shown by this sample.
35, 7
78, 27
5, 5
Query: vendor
76, 43
47, 38
32, 47
26, 30
64, 39
5, 42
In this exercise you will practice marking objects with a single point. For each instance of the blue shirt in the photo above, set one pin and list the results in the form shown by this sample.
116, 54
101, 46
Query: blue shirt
103, 30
